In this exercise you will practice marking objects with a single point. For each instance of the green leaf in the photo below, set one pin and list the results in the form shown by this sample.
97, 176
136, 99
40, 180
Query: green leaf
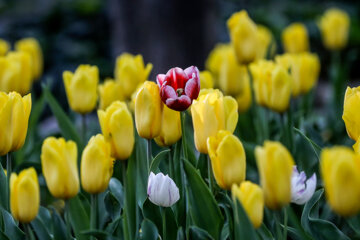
11, 230
180, 234
40, 224
99, 235
3, 186
149, 230
152, 212
198, 233
243, 227
59, 228
79, 218
156, 161
354, 223
203, 208
116, 188
112, 205
316, 148
264, 233
141, 169
178, 177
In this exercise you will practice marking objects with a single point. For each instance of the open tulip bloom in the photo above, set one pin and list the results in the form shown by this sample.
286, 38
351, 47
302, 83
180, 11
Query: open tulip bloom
301, 189
162, 190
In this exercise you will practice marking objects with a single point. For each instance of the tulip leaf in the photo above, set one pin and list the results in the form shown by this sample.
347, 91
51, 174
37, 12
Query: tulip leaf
11, 230
354, 223
112, 205
264, 233
116, 188
115, 227
152, 212
180, 234
198, 233
59, 229
149, 230
3, 186
203, 207
243, 228
156, 161
3, 236
79, 218
99, 235
141, 169
316, 148
319, 228
39, 224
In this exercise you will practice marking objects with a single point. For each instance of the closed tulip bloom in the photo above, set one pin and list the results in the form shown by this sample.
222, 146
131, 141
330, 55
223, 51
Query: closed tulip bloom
4, 47
162, 190
59, 166
356, 146
206, 79
170, 131
334, 26
24, 195
109, 92
304, 69
228, 159
148, 111
272, 85
96, 165
32, 47
243, 35
275, 165
81, 88
301, 189
118, 129
340, 170
266, 43
130, 71
295, 38
14, 118
351, 114
210, 113
251, 197
214, 61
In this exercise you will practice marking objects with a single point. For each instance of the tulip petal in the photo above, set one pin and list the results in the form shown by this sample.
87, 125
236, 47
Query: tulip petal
179, 103
192, 88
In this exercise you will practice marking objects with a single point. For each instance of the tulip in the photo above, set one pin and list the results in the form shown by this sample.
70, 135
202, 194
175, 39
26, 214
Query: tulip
266, 43
340, 170
59, 166
14, 117
251, 197
130, 71
118, 129
206, 79
295, 38
212, 112
24, 195
228, 159
243, 35
272, 85
4, 47
131, 104
356, 146
275, 165
162, 190
110, 91
215, 59
351, 114
170, 131
334, 27
178, 88
96, 165
304, 70
81, 88
302, 189
32, 47
148, 111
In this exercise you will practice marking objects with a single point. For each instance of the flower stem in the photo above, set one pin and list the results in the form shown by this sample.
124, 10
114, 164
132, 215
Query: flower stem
183, 137
163, 216
285, 223
83, 125
210, 174
171, 165
93, 216
149, 155
123, 172
8, 173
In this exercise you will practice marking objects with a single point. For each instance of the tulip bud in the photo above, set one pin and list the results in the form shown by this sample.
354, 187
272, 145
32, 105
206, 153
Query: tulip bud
272, 85
275, 165
148, 111
340, 170
266, 43
334, 26
295, 38
210, 113
302, 189
228, 159
178, 88
118, 129
170, 131
251, 197
109, 92
243, 35
4, 47
14, 117
206, 80
24, 195
20, 79
81, 88
304, 69
59, 166
96, 165
32, 47
215, 60
130, 72
351, 114
162, 190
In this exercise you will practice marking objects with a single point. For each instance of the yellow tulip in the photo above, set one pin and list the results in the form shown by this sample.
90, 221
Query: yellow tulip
334, 26
356, 146
170, 131
14, 117
272, 85
130, 71
4, 47
214, 61
24, 195
295, 38
96, 165
59, 166
340, 170
351, 114
81, 88
304, 70
228, 159
32, 47
212, 112
275, 165
110, 91
148, 110
206, 80
251, 197
266, 43
118, 129
131, 104
243, 35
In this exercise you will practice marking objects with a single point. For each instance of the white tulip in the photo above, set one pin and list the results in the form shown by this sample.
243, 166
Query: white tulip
162, 190
302, 191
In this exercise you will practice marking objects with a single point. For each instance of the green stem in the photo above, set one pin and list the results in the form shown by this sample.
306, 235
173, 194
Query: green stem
8, 173
163, 216
277, 217
83, 125
28, 231
285, 224
93, 214
171, 167
210, 174
149, 155
66, 217
123, 172
182, 117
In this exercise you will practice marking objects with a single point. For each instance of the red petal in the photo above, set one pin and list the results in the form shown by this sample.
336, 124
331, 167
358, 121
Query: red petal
160, 78
167, 92
178, 104
192, 88
190, 71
